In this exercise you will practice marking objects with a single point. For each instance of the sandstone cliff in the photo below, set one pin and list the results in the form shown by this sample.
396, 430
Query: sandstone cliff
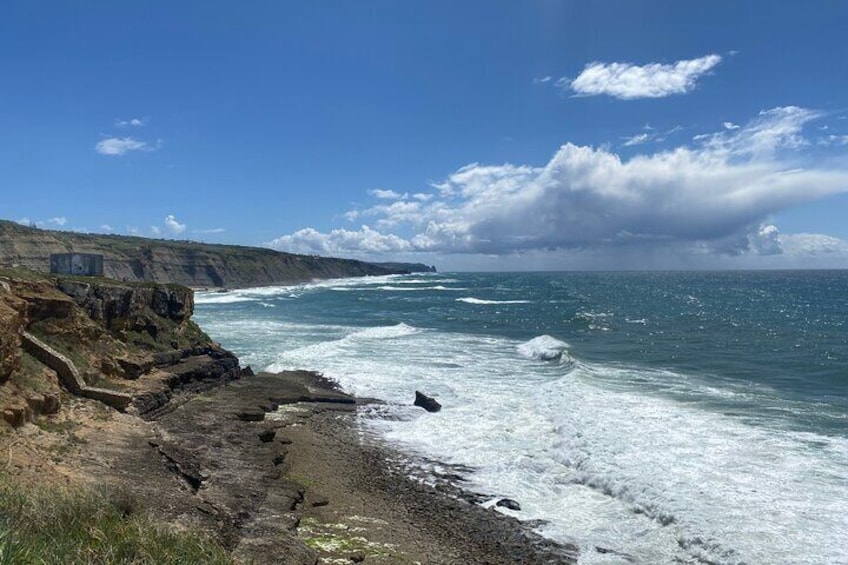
187, 263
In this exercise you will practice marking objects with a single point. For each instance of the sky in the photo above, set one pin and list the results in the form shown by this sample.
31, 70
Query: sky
473, 135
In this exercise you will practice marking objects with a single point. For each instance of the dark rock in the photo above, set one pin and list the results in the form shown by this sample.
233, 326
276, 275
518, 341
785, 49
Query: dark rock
133, 368
267, 435
509, 504
251, 415
279, 458
52, 403
15, 417
427, 403
318, 500
247, 372
358, 557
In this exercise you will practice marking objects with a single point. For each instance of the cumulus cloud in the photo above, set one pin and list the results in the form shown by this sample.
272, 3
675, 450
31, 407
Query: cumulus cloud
117, 146
58, 221
627, 81
712, 198
107, 228
766, 240
173, 225
386, 194
340, 242
810, 244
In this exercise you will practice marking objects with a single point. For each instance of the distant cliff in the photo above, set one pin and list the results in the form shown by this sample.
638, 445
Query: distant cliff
182, 262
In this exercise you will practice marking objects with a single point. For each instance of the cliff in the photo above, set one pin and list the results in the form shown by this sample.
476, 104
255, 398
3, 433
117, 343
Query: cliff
129, 345
187, 263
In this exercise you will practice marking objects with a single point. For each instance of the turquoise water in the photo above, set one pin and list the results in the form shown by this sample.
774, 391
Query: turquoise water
667, 416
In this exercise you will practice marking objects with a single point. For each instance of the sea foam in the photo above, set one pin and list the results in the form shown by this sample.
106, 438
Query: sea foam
544, 348
483, 302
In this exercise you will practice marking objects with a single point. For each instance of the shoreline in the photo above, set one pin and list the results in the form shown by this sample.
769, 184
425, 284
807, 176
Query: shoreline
298, 485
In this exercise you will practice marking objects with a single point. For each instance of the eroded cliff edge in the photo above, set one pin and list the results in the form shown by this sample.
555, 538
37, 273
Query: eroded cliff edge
68, 336
188, 263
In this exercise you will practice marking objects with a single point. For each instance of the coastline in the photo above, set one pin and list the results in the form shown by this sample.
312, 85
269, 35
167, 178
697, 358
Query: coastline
277, 470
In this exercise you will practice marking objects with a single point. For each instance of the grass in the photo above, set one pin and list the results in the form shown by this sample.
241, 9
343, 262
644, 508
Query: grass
59, 525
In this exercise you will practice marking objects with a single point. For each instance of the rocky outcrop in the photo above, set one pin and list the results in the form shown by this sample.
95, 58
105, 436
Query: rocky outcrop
428, 403
195, 370
128, 345
12, 322
187, 263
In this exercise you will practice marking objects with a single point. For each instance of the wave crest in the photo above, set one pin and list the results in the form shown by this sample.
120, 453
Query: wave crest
544, 348
480, 301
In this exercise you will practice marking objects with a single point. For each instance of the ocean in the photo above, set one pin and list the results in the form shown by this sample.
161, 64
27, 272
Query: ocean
697, 417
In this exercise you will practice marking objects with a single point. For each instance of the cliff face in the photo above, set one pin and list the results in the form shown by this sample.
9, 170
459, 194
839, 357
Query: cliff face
181, 262
12, 321
127, 344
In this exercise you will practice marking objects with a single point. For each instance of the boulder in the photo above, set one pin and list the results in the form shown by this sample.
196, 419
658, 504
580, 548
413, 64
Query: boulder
509, 504
426, 402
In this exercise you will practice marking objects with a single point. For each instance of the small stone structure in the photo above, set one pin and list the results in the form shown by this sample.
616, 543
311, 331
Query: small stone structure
69, 375
84, 264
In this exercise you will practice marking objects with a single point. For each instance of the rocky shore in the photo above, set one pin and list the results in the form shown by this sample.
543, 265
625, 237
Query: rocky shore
110, 387
276, 466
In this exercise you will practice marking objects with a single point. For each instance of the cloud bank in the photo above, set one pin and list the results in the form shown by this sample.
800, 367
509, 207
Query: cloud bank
627, 81
713, 198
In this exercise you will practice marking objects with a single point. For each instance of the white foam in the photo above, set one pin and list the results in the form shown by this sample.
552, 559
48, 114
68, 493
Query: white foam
219, 298
483, 302
604, 463
543, 348
603, 453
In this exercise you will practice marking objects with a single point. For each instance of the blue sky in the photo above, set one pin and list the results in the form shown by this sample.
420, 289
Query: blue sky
472, 135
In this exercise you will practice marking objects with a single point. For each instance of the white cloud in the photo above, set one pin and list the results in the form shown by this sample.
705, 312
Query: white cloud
542, 80
155, 230
173, 225
729, 125
107, 228
709, 200
810, 244
210, 231
58, 221
386, 194
121, 146
627, 81
834, 140
134, 122
340, 242
777, 128
766, 241
637, 139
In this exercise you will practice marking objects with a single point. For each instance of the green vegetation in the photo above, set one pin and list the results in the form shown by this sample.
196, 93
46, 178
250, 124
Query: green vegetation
57, 525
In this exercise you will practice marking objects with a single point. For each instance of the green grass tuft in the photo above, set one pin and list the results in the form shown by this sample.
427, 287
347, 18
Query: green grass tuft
59, 525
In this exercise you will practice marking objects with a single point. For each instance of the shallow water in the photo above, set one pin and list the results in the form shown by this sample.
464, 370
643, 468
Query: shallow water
662, 415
